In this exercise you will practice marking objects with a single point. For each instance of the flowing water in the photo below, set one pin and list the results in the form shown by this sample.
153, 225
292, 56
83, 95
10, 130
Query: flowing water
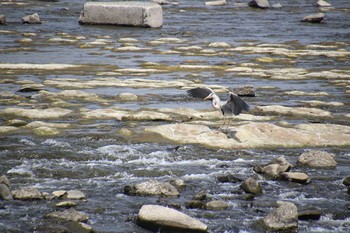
92, 156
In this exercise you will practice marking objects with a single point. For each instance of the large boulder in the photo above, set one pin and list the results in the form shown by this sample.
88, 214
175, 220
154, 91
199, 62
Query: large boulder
142, 14
314, 158
152, 188
157, 217
283, 218
5, 192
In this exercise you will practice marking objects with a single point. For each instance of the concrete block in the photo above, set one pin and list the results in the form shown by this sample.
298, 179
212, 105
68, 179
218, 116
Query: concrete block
140, 14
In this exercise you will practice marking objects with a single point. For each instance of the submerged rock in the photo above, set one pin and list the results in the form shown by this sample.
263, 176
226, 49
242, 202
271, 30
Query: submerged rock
26, 193
69, 215
31, 19
152, 188
157, 217
316, 158
216, 205
127, 97
309, 213
284, 218
7, 129
250, 185
46, 131
315, 18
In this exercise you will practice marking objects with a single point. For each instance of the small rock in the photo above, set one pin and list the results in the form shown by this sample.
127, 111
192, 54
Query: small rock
229, 179
322, 3
66, 204
200, 196
27, 193
250, 185
273, 171
216, 205
216, 3
284, 218
277, 5
16, 122
75, 194
2, 19
311, 213
152, 188
298, 177
195, 204
317, 159
155, 217
31, 19
219, 45
259, 4
247, 91
69, 215
179, 184
240, 4
161, 2
127, 97
5, 192
346, 181
59, 193
5, 180
46, 131
315, 18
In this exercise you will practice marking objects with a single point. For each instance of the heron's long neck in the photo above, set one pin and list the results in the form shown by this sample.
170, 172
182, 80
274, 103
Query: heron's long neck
216, 102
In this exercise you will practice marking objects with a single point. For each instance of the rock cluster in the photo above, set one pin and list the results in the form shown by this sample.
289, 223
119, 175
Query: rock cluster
64, 199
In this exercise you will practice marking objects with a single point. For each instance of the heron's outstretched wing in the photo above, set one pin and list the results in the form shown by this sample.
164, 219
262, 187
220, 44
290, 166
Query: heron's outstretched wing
234, 105
200, 92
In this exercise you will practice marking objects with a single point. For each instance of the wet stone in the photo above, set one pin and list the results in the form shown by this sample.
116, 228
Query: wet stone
298, 177
315, 18
229, 179
195, 204
31, 19
346, 181
309, 213
216, 205
5, 193
259, 4
316, 158
66, 204
59, 193
2, 20
75, 194
244, 91
250, 185
283, 218
154, 217
322, 3
152, 188
26, 193
69, 215
5, 180
216, 3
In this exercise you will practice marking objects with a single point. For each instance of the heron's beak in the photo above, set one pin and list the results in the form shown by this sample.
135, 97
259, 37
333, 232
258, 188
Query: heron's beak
208, 97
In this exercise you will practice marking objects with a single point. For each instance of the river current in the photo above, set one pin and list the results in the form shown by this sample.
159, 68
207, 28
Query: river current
92, 156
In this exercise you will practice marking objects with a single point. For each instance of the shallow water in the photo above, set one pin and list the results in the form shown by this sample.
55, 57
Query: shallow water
92, 156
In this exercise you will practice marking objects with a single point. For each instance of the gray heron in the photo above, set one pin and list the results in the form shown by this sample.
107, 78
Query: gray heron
234, 105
